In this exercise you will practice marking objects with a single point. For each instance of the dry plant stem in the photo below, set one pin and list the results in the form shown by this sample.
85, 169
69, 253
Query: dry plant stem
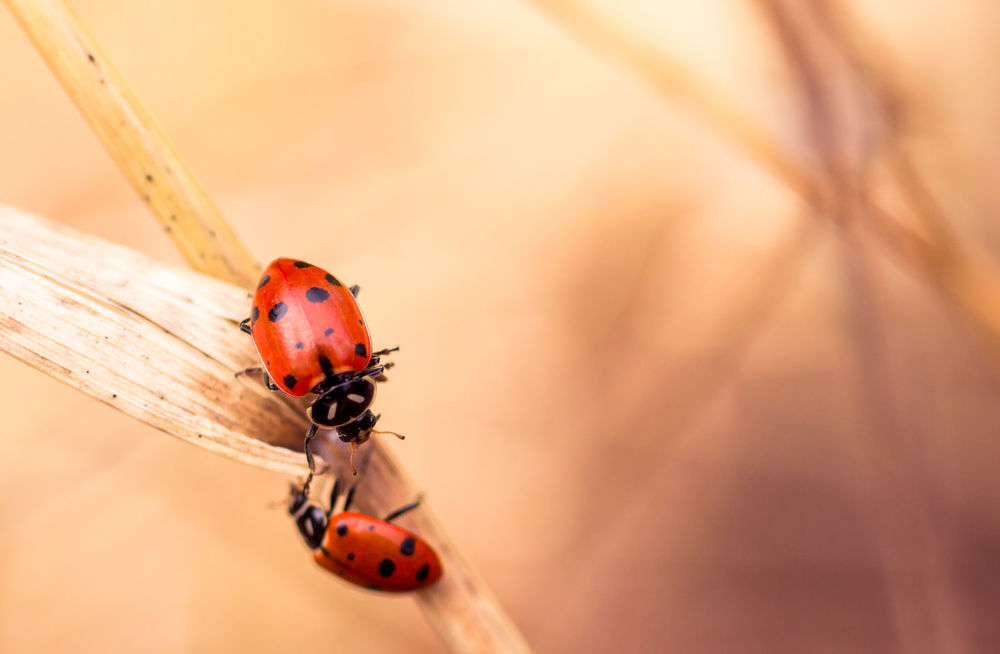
168, 368
674, 79
893, 492
460, 606
961, 272
874, 70
899, 514
135, 141
965, 276
161, 344
969, 279
157, 343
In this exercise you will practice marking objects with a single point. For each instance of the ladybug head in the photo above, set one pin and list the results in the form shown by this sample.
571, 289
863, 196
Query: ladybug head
360, 430
342, 404
309, 517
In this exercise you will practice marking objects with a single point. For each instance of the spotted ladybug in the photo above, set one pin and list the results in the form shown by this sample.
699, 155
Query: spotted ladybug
361, 549
312, 339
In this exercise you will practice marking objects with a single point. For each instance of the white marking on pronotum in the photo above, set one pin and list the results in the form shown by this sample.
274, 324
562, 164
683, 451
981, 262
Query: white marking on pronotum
354, 397
332, 411
309, 528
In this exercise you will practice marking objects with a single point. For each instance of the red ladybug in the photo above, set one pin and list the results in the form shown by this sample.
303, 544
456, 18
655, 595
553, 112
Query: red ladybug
311, 337
364, 550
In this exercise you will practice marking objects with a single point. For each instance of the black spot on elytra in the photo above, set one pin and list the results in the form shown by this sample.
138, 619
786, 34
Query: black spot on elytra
341, 529
423, 572
299, 345
333, 280
350, 556
302, 264
290, 381
361, 350
263, 281
386, 568
277, 312
407, 547
371, 527
316, 294
254, 315
360, 321
329, 330
325, 365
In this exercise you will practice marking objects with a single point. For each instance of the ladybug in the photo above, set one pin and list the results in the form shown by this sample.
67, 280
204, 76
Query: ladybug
362, 549
312, 339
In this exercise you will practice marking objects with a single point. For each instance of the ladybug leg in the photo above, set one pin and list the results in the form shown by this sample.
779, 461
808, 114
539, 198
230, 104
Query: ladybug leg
309, 455
388, 350
374, 368
309, 459
403, 509
381, 376
349, 497
334, 494
245, 326
271, 386
355, 290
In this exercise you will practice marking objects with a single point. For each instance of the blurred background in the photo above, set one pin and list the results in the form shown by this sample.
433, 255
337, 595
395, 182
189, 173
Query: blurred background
661, 400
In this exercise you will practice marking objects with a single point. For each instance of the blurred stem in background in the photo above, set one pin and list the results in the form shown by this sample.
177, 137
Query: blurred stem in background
965, 276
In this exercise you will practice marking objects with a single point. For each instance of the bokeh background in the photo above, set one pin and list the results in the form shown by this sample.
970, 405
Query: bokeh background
660, 401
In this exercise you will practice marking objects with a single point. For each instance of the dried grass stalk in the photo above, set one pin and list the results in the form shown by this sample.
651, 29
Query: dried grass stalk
135, 141
155, 342
161, 344
964, 274
599, 29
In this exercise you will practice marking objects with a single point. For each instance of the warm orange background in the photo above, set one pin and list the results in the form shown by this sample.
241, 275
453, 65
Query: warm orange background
659, 405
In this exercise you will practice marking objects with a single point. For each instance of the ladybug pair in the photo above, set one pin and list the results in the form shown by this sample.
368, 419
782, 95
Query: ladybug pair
312, 339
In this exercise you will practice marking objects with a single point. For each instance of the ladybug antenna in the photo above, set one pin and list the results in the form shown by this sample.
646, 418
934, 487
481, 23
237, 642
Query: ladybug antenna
376, 431
276, 504
293, 490
379, 431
